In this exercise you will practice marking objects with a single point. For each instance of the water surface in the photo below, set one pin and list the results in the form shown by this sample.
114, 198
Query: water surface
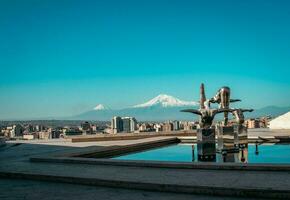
267, 153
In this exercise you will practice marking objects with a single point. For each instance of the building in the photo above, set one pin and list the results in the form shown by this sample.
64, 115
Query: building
176, 125
29, 128
117, 124
281, 122
124, 124
28, 137
129, 124
73, 131
44, 135
17, 131
86, 128
94, 128
143, 127
158, 127
167, 127
55, 133
252, 123
39, 128
187, 126
264, 122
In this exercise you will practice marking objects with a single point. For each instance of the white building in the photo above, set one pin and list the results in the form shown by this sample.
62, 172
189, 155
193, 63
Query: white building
17, 131
281, 122
117, 124
158, 127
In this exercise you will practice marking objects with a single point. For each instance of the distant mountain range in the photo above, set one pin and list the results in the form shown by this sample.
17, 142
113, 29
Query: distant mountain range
164, 107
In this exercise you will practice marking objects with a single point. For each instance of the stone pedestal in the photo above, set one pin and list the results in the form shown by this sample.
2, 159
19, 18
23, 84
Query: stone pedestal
241, 136
206, 148
226, 139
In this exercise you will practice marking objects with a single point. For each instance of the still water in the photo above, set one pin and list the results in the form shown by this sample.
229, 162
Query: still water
263, 153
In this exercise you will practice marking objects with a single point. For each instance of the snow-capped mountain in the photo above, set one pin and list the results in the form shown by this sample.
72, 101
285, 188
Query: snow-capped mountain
166, 101
100, 107
162, 108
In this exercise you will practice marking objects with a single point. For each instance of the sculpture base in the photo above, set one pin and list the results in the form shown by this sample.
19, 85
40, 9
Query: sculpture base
206, 147
226, 139
241, 136
206, 135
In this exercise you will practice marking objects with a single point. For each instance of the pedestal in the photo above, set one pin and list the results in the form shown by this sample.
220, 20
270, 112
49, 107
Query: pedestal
206, 148
226, 139
241, 136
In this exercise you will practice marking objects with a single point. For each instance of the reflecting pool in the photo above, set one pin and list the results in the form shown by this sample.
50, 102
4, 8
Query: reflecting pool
262, 153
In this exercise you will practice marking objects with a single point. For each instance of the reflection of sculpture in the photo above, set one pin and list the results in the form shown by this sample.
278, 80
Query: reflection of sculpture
239, 114
237, 157
192, 150
223, 98
206, 113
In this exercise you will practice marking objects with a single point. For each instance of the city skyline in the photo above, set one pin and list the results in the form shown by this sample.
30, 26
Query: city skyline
61, 58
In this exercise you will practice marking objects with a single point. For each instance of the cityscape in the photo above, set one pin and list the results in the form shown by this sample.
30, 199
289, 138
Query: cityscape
144, 100
53, 129
28, 131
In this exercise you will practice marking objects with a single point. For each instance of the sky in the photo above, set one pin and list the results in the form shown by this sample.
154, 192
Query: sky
63, 57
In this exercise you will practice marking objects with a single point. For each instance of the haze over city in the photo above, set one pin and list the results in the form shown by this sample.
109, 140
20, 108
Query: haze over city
62, 58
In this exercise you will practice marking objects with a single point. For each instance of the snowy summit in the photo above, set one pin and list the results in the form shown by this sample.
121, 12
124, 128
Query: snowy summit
100, 107
166, 101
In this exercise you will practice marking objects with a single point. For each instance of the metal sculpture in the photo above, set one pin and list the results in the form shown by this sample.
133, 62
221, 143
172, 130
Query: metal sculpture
223, 98
206, 113
229, 138
239, 115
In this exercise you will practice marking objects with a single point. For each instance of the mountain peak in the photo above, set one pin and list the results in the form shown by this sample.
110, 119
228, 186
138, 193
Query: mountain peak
100, 107
165, 100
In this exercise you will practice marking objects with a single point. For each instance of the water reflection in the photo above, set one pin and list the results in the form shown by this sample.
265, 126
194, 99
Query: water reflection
241, 156
267, 153
206, 152
257, 148
231, 147
192, 153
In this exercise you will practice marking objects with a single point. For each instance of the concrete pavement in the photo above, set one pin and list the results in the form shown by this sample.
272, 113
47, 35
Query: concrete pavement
15, 189
14, 163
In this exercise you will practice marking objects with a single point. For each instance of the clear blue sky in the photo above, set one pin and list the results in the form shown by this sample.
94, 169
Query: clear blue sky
62, 57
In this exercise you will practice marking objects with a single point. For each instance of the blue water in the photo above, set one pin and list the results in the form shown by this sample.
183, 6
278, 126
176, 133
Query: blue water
267, 153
